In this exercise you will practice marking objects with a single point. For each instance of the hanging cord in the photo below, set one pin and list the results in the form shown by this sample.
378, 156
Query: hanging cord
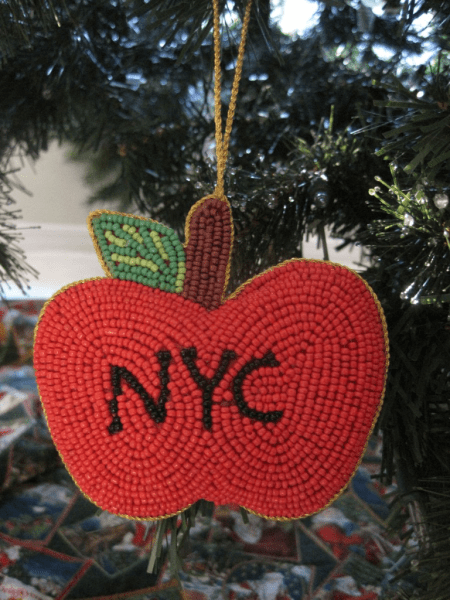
223, 140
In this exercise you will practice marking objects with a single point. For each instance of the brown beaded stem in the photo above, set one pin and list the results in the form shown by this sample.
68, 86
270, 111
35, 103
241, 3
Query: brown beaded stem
209, 239
209, 226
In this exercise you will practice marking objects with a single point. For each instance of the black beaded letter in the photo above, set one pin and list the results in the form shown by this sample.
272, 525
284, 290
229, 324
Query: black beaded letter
268, 360
207, 385
156, 411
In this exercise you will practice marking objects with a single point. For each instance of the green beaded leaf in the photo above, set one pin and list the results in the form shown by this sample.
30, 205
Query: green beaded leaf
139, 250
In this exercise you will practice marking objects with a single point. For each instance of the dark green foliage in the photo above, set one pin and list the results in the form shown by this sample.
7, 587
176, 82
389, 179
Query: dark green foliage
420, 126
412, 241
324, 183
435, 559
109, 86
417, 407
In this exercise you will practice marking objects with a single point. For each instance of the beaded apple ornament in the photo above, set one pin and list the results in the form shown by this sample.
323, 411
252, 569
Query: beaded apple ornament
159, 390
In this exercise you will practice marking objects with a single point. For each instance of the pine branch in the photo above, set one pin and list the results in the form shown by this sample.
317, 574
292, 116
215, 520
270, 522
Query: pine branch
420, 138
13, 266
20, 20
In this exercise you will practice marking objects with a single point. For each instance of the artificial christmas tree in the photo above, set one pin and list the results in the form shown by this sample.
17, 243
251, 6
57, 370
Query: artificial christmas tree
319, 118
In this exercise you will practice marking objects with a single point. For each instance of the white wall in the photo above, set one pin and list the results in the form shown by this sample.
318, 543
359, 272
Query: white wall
58, 189
61, 249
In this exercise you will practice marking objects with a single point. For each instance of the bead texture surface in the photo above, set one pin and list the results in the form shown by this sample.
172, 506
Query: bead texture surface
267, 401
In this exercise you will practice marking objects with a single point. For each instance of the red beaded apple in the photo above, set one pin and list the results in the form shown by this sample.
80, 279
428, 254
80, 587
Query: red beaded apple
158, 391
